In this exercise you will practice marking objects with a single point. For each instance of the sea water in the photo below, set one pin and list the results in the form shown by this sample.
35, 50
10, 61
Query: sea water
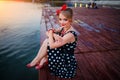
19, 39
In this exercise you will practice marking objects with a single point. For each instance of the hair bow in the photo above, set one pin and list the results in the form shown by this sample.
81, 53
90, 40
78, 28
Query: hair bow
63, 8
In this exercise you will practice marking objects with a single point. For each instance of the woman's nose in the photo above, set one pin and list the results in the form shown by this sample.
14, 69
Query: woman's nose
62, 21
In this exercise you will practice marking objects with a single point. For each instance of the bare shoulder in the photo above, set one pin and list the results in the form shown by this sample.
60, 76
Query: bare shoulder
69, 37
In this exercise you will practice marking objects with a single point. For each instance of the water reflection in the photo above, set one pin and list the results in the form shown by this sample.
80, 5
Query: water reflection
19, 39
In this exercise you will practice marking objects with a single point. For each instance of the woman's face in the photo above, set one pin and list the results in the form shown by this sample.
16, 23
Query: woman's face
64, 22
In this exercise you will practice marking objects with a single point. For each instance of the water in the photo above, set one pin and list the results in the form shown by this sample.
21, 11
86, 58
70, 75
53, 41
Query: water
19, 39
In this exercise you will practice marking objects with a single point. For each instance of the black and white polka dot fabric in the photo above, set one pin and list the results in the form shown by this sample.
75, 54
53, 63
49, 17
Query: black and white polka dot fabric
62, 61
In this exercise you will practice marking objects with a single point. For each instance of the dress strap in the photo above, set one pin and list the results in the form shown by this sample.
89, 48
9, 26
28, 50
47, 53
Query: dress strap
74, 33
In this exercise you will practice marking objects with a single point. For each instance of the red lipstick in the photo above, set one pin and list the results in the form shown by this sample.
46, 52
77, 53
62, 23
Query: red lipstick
63, 24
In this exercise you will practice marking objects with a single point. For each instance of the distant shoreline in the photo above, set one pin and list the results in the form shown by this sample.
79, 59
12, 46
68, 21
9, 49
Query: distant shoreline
109, 4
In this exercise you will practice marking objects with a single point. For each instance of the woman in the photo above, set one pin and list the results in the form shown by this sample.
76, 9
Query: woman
58, 48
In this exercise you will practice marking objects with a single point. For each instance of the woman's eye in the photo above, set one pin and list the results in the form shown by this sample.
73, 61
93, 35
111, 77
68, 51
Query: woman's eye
65, 19
59, 19
62, 19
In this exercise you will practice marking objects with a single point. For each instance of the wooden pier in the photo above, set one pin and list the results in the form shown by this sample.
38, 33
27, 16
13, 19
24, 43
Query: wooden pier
98, 46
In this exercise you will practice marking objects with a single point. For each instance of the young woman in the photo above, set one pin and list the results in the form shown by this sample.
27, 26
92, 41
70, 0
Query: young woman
58, 48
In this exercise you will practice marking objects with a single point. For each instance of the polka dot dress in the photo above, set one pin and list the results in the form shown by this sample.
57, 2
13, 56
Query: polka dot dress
62, 62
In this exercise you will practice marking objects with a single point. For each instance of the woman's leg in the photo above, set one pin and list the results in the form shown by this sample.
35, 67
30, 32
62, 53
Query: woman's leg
43, 60
42, 53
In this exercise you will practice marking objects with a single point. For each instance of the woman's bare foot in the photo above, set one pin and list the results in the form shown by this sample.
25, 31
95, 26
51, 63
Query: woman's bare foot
33, 63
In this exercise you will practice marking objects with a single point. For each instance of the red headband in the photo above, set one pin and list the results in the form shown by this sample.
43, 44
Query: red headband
63, 8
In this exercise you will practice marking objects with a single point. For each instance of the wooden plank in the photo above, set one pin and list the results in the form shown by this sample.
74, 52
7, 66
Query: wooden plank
105, 40
116, 55
98, 66
113, 68
44, 74
84, 68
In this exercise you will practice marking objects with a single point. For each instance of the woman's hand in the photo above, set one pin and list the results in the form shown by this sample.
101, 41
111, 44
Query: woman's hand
49, 33
57, 37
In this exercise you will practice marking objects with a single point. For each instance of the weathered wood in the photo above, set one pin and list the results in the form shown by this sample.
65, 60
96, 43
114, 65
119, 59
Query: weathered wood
98, 46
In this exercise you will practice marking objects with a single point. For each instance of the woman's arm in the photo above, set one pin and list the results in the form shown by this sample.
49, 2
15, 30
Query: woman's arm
69, 37
57, 37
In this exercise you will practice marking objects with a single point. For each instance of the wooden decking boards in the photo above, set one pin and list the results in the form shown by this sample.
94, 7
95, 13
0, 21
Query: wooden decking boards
98, 46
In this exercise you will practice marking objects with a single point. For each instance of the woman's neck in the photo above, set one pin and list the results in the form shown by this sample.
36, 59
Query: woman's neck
67, 29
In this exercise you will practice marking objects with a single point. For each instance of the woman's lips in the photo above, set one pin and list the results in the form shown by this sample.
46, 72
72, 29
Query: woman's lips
63, 24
